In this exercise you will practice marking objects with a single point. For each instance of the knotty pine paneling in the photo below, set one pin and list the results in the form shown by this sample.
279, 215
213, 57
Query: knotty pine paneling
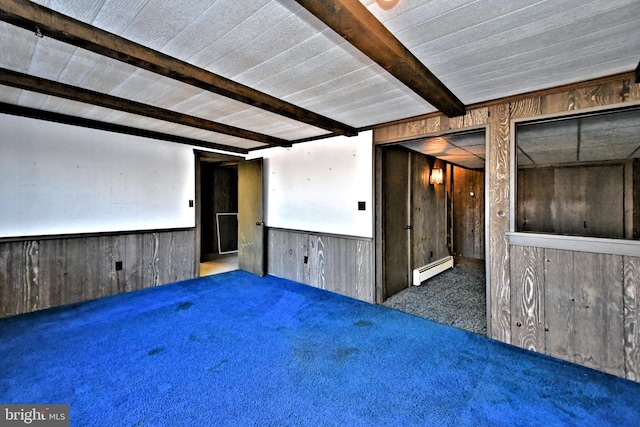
340, 264
49, 272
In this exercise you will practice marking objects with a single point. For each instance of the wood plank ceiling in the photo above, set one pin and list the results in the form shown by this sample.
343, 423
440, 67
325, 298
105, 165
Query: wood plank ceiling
241, 75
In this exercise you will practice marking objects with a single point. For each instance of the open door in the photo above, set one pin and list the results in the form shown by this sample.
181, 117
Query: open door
251, 232
396, 227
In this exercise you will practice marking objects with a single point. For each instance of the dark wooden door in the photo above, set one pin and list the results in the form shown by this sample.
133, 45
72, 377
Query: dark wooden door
251, 232
395, 193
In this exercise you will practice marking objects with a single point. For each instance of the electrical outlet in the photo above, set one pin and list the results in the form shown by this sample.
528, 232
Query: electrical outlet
362, 206
118, 265
190, 203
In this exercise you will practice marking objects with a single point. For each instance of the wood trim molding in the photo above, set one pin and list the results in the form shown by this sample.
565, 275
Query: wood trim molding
87, 235
74, 93
353, 21
576, 243
50, 23
207, 156
321, 233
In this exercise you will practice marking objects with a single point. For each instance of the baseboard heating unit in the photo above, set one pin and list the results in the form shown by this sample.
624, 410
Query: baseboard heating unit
427, 271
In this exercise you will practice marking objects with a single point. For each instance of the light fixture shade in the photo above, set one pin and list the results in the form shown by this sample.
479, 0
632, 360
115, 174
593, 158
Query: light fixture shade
436, 176
386, 4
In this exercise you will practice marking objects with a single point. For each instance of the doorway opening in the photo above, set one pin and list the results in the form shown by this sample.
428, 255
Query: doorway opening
430, 195
216, 215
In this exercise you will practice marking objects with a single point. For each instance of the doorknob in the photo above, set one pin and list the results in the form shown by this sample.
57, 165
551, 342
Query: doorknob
407, 227
259, 223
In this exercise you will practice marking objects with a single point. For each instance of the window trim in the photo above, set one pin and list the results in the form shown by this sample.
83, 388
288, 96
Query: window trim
590, 243
576, 243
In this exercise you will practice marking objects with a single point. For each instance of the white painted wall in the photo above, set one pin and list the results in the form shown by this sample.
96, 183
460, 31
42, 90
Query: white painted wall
61, 179
316, 186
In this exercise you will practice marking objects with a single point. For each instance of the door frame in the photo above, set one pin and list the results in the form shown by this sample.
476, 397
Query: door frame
199, 157
379, 213
382, 226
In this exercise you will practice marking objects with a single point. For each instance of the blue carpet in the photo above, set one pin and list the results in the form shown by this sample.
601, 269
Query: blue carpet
238, 350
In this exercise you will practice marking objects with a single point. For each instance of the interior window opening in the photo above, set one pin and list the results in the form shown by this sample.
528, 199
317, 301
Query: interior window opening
580, 175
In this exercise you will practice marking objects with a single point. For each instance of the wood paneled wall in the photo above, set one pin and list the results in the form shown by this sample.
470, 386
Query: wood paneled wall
497, 117
428, 212
577, 306
340, 264
468, 213
42, 273
583, 200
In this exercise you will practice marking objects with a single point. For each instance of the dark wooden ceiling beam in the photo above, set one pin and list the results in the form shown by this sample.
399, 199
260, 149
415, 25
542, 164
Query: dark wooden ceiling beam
74, 93
52, 24
353, 21
50, 116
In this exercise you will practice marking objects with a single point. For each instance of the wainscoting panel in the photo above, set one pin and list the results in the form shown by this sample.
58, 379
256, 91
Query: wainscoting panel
340, 264
49, 272
577, 306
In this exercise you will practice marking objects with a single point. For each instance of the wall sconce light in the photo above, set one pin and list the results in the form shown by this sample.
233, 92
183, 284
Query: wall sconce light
436, 176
